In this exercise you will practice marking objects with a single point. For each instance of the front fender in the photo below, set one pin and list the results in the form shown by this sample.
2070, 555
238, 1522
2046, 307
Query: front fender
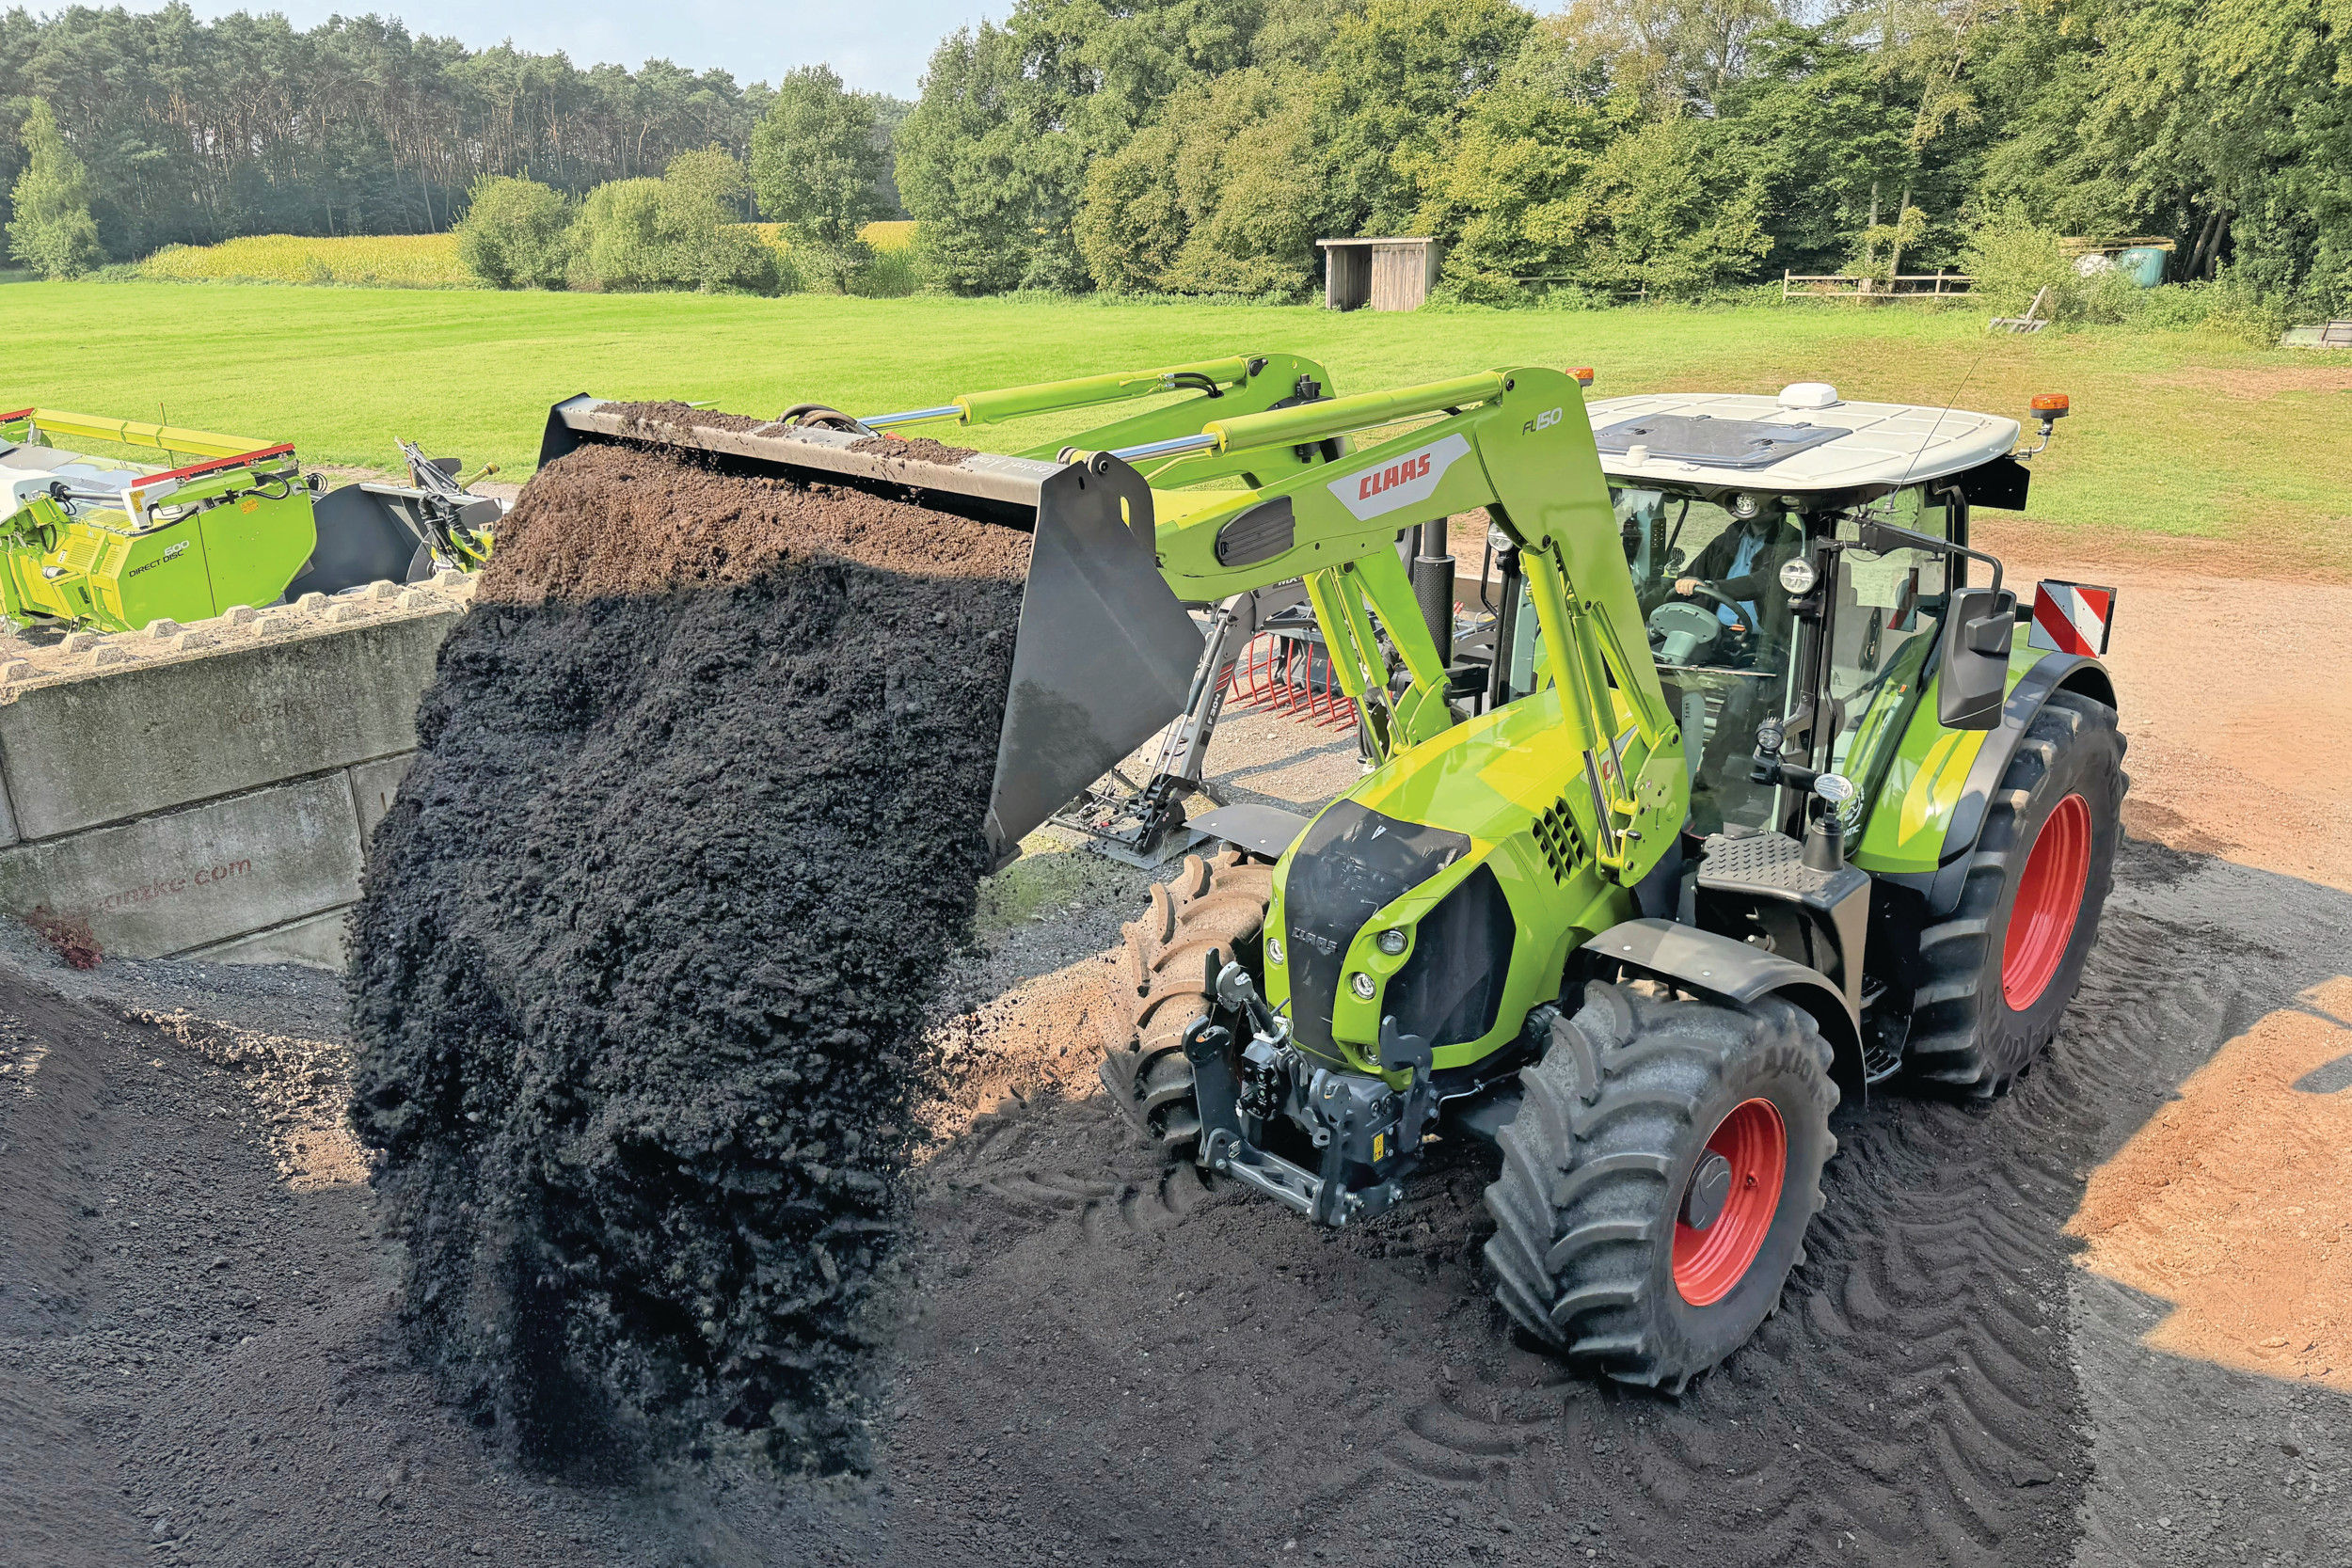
1716, 965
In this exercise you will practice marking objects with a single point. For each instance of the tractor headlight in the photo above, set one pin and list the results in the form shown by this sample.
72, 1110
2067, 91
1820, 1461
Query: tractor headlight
1391, 942
1273, 950
1834, 788
1362, 985
1797, 574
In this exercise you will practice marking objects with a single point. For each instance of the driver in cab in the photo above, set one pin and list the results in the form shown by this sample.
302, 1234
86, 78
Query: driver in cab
1742, 567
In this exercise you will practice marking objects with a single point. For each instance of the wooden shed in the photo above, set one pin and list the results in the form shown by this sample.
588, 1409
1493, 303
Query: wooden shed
1386, 274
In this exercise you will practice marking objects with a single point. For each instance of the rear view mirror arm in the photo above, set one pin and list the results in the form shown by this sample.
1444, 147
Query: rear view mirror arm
1879, 538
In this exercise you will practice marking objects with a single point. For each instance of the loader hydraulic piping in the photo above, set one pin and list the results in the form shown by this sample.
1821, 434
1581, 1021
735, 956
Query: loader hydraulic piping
1169, 448
1318, 421
914, 416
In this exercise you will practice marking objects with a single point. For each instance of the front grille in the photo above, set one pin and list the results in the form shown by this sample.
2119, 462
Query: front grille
1450, 988
1350, 864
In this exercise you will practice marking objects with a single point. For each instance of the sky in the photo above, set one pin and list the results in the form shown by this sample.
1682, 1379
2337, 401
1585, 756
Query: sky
877, 45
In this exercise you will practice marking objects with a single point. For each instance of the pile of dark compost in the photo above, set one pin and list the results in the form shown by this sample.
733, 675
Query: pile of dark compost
647, 941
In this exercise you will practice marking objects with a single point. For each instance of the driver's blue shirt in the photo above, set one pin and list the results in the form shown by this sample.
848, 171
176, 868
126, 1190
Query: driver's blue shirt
1742, 562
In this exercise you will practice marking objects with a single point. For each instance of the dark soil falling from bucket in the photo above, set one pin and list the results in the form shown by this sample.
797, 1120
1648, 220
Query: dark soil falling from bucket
647, 941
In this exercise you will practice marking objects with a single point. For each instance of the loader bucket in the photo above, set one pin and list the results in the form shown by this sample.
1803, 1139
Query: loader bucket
1105, 653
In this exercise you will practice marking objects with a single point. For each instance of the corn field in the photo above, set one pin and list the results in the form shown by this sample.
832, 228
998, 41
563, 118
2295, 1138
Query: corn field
892, 234
384, 261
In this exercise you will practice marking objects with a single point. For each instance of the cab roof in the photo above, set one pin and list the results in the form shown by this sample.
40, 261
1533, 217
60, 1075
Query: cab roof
1804, 440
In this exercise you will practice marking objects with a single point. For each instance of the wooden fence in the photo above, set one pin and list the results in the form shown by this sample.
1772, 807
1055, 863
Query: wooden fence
1905, 285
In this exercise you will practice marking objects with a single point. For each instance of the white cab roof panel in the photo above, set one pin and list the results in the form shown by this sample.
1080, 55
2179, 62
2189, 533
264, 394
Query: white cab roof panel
1877, 444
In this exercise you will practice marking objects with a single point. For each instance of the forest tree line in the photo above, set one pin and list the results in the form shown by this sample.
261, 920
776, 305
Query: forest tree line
1669, 146
194, 132
1658, 148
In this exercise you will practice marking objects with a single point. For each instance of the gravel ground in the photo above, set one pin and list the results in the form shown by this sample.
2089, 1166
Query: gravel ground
1107, 1362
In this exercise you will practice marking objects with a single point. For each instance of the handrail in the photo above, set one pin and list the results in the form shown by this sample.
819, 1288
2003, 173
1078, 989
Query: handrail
130, 432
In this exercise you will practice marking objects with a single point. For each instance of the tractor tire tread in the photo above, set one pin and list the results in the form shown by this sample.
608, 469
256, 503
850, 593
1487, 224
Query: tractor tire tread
1963, 1034
1583, 1207
1212, 904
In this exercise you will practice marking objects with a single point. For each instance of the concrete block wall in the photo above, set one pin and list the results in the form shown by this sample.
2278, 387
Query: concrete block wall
207, 790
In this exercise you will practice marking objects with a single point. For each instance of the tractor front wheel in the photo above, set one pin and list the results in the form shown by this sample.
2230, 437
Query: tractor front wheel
1994, 977
1211, 906
1658, 1179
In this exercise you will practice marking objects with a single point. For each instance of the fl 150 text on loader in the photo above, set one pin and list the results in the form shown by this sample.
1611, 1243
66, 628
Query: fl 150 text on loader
1745, 799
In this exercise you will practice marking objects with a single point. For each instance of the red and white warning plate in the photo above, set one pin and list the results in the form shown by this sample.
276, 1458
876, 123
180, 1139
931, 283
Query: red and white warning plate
2070, 618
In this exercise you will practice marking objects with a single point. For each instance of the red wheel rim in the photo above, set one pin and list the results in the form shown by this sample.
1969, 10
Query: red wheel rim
1709, 1262
2049, 896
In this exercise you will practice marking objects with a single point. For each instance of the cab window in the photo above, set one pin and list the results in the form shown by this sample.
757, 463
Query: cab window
1884, 617
1707, 583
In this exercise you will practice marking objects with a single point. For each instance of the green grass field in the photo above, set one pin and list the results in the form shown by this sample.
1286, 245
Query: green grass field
2184, 434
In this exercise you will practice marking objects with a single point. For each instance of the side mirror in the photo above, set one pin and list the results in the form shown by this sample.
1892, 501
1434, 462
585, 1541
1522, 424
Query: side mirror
1972, 676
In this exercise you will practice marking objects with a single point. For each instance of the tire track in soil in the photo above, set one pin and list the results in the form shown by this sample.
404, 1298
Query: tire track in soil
994, 1159
1133, 1364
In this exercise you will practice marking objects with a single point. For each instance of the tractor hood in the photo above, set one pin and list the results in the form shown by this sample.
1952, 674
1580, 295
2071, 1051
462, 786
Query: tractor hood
1435, 851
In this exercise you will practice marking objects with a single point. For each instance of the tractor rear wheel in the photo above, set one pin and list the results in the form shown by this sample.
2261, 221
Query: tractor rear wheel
1993, 978
1214, 905
1658, 1179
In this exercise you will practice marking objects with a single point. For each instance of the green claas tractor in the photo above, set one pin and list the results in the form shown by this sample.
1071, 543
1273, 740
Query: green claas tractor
109, 545
1753, 791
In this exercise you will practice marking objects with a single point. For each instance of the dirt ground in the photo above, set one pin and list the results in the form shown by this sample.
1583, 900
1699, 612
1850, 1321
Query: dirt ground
2231, 1203
2036, 1332
2241, 697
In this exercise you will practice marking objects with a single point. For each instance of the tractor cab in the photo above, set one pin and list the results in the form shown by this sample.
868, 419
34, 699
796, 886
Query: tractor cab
1742, 520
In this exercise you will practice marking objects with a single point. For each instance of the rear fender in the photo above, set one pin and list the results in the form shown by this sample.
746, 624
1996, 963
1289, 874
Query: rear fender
1942, 804
1715, 965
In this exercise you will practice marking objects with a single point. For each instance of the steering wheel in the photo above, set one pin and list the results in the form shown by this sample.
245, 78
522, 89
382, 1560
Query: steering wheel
1686, 633
1738, 611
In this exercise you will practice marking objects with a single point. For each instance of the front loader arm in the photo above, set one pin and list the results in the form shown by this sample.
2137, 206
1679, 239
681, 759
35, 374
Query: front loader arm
1513, 442
1238, 384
